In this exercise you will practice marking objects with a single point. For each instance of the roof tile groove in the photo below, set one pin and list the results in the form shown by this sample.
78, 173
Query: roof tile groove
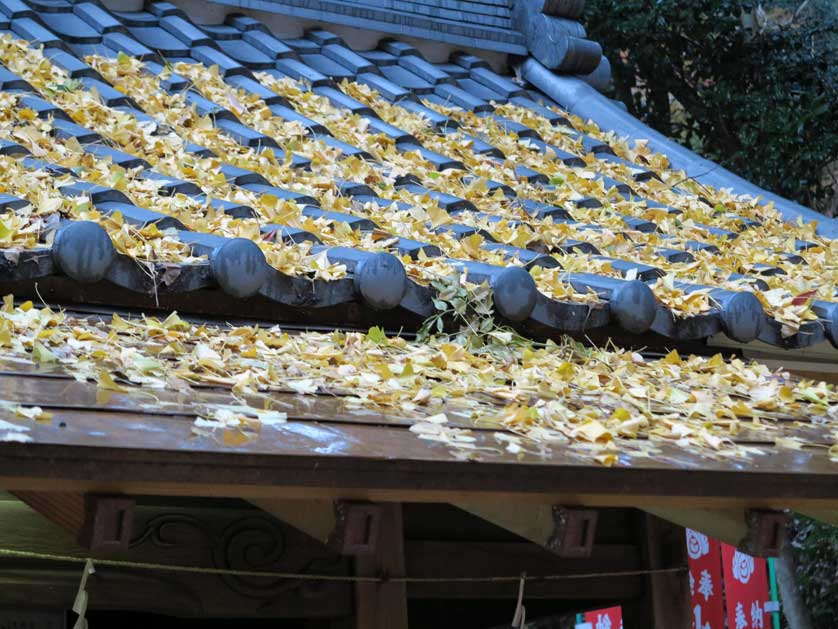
303, 148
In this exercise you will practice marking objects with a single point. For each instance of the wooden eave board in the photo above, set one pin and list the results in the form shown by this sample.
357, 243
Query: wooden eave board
108, 441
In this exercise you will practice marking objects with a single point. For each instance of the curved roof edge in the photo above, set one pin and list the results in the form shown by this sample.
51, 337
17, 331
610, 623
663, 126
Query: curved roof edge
582, 100
478, 24
549, 30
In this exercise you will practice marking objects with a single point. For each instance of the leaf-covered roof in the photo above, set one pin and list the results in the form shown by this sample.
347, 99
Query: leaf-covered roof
150, 163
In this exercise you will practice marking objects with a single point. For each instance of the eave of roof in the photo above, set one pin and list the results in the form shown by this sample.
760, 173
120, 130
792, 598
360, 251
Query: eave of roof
321, 455
174, 386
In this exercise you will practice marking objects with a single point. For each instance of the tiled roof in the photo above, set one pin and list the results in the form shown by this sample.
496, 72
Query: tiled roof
300, 180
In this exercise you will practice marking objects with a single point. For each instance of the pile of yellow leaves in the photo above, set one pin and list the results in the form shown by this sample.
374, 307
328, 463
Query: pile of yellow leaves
598, 404
789, 309
693, 303
19, 229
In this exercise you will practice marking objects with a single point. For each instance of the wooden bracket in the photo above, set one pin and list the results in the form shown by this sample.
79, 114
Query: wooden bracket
574, 533
107, 523
347, 527
98, 523
725, 525
357, 528
65, 509
567, 531
758, 532
766, 533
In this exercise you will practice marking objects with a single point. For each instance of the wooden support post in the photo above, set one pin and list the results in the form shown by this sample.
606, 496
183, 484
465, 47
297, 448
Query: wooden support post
668, 593
383, 605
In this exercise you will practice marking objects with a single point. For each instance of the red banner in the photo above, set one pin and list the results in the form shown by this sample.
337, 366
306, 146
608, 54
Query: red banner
746, 590
705, 564
608, 618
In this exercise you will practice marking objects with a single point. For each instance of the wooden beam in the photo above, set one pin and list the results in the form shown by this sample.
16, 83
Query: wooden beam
383, 605
225, 488
726, 525
668, 593
767, 532
125, 452
827, 516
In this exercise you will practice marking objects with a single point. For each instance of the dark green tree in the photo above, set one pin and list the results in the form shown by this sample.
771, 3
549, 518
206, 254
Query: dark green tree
815, 550
752, 87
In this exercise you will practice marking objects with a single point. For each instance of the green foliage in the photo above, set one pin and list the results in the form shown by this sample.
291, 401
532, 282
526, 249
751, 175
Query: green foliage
752, 87
377, 335
469, 310
816, 552
70, 85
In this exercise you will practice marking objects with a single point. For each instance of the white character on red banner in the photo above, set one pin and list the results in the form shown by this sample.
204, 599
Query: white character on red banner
757, 619
603, 621
743, 567
697, 544
705, 585
697, 619
692, 584
741, 620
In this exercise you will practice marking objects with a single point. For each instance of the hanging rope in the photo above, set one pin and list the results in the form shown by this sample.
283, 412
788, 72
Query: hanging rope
142, 565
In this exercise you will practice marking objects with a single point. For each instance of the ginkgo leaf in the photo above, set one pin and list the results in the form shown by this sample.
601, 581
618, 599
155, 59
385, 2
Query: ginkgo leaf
41, 354
376, 335
105, 381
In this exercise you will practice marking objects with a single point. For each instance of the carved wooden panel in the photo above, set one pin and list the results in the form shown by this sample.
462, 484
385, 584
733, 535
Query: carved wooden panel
212, 537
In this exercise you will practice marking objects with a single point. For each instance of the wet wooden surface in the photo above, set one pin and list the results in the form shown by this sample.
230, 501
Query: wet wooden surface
145, 440
53, 389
